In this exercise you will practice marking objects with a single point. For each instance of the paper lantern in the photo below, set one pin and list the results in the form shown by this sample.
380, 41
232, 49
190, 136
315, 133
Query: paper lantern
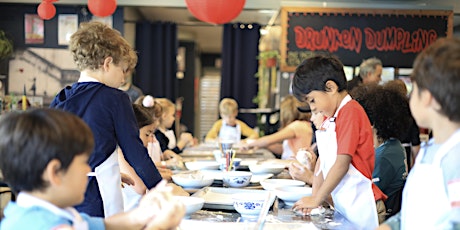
46, 10
215, 11
102, 8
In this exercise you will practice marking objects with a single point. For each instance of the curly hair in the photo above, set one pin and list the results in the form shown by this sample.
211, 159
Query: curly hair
95, 41
388, 110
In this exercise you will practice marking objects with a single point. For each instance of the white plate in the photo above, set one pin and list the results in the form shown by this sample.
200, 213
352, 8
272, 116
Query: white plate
271, 184
202, 165
218, 175
221, 198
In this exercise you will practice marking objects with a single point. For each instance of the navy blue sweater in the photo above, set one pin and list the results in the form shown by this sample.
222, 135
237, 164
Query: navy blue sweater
109, 114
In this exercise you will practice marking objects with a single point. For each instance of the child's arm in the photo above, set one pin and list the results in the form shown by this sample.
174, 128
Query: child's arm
247, 131
214, 131
157, 210
264, 141
323, 190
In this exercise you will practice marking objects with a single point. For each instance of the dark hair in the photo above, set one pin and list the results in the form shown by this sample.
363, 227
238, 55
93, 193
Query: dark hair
143, 115
437, 69
314, 72
388, 110
30, 140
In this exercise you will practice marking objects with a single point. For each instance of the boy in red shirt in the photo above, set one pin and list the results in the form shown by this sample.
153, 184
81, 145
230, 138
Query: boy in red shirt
345, 144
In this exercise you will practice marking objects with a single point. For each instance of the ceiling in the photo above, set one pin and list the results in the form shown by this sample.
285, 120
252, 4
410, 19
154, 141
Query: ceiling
208, 37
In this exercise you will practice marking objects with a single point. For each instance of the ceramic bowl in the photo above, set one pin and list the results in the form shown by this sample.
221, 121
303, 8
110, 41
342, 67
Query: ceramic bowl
271, 184
192, 204
201, 165
236, 179
248, 205
266, 168
193, 180
292, 194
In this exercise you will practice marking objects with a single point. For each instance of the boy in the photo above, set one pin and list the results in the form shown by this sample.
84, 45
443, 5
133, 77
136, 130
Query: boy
105, 58
431, 196
230, 128
346, 152
43, 156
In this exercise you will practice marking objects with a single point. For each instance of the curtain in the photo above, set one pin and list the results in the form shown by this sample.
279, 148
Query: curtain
156, 45
239, 66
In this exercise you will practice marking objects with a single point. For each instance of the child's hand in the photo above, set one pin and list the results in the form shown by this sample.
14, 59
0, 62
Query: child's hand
187, 138
306, 204
158, 209
300, 172
178, 190
165, 173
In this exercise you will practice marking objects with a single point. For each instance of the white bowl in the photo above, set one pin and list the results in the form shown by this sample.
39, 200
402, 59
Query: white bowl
248, 205
192, 204
193, 180
271, 184
292, 194
199, 165
236, 179
266, 168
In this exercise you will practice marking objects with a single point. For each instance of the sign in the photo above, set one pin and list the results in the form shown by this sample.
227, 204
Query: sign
393, 36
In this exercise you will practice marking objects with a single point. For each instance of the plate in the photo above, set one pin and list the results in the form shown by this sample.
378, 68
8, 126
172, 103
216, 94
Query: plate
218, 175
202, 165
221, 198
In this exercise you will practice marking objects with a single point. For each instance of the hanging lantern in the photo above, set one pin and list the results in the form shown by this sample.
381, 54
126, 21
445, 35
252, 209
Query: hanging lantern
46, 10
102, 8
215, 11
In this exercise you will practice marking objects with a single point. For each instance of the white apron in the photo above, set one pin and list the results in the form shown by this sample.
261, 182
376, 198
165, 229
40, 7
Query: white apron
109, 181
424, 196
353, 197
130, 198
287, 151
171, 137
154, 151
228, 132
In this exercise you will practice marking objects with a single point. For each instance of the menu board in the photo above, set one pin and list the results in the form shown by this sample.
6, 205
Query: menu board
394, 36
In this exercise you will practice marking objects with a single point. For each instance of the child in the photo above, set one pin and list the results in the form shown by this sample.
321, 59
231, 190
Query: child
304, 172
228, 127
295, 131
105, 58
346, 154
431, 196
147, 125
43, 156
165, 135
389, 113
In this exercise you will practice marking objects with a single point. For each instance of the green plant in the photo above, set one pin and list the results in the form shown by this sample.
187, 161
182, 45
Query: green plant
6, 45
268, 58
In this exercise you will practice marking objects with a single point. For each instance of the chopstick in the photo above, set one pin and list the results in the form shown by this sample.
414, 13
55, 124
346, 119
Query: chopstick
231, 160
263, 213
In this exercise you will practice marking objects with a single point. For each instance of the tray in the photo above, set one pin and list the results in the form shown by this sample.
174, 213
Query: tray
221, 198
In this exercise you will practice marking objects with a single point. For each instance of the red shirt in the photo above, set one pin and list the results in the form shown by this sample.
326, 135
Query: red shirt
354, 137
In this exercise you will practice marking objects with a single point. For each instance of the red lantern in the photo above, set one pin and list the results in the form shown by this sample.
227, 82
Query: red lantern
46, 10
215, 11
102, 8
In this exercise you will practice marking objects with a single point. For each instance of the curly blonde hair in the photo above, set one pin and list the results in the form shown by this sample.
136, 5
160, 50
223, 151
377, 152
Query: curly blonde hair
94, 41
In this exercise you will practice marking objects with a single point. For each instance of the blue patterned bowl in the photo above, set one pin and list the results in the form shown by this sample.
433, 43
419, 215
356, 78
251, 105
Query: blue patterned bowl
248, 205
236, 179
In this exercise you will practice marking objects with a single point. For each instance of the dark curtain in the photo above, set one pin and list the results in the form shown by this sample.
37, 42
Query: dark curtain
156, 45
239, 65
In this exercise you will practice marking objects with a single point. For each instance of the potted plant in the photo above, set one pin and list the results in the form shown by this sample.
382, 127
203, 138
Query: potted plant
268, 58
6, 46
